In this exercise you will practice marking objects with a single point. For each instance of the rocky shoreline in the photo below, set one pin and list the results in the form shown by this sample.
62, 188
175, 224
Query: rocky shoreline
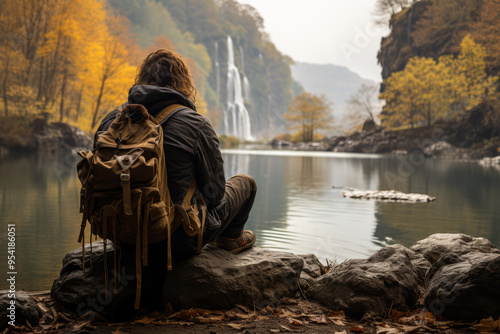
41, 137
450, 276
471, 138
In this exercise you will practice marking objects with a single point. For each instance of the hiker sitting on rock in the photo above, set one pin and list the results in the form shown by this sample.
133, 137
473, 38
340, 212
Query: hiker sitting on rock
193, 161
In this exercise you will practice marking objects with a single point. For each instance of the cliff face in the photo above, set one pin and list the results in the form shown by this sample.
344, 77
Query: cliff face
432, 28
397, 48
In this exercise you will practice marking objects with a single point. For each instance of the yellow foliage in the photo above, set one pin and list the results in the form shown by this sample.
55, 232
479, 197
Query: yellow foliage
427, 90
299, 137
309, 113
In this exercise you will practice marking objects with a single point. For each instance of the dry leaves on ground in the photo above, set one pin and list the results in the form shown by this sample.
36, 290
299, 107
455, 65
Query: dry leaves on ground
488, 325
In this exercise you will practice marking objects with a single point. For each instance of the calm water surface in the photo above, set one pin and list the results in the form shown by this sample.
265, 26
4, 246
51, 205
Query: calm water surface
296, 208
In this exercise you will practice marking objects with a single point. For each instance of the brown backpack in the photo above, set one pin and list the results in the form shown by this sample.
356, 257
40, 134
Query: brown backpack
125, 195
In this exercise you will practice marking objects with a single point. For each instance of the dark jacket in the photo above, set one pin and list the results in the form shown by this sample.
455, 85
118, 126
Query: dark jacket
190, 143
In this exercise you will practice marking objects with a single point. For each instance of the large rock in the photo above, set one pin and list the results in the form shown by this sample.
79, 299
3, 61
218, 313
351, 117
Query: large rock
82, 293
312, 269
444, 149
214, 279
217, 279
437, 245
387, 280
464, 286
26, 310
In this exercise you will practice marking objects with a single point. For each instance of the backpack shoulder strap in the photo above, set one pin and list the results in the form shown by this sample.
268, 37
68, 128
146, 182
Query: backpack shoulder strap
168, 112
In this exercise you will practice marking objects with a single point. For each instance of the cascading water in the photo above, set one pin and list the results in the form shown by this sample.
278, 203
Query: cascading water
246, 83
236, 117
217, 71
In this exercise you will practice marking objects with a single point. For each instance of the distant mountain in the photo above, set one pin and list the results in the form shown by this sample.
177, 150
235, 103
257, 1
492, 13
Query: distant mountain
336, 82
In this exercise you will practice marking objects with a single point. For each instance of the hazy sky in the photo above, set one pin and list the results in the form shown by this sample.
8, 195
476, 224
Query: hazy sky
325, 31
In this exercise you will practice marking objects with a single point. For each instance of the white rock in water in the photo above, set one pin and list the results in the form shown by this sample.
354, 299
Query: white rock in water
490, 161
388, 195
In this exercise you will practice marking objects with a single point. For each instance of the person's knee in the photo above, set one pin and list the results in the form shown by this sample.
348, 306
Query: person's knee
249, 180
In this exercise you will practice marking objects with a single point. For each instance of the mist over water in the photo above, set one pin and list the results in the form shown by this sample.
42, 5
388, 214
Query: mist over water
296, 209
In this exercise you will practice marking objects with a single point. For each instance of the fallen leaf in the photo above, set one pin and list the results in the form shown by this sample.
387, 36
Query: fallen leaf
337, 315
319, 319
285, 328
243, 308
209, 319
290, 301
414, 329
234, 326
396, 314
180, 323
488, 325
357, 329
343, 332
296, 322
144, 321
43, 307
337, 321
55, 315
80, 326
382, 330
184, 314
261, 317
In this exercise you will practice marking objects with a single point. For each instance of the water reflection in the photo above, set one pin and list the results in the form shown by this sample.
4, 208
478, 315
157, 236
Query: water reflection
297, 210
467, 196
41, 198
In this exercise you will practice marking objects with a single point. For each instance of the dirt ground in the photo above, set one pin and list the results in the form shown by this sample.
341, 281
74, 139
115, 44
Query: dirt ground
293, 315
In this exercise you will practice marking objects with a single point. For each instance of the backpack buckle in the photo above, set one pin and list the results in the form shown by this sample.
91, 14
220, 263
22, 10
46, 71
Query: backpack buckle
125, 177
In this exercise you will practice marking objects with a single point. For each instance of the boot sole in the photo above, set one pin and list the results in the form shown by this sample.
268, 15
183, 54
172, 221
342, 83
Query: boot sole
242, 248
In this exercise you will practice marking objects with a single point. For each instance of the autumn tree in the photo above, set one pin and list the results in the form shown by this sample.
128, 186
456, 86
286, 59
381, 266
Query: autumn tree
364, 101
486, 31
426, 90
309, 113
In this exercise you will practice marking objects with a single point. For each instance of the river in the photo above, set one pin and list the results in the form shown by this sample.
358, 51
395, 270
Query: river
299, 206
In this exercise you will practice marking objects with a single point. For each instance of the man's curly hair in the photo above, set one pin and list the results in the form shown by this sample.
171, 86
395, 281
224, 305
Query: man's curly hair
165, 68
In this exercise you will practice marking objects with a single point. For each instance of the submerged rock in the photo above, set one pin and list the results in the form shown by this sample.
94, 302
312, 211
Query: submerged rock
387, 280
388, 195
439, 244
490, 162
26, 310
464, 286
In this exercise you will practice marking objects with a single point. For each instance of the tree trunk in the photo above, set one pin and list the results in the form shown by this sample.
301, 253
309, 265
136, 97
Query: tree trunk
40, 80
63, 91
78, 104
5, 101
429, 115
98, 103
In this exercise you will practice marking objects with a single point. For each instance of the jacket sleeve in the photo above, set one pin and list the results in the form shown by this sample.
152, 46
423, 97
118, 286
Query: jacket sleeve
209, 165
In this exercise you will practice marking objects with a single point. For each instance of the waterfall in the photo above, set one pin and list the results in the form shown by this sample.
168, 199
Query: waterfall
217, 71
236, 117
246, 83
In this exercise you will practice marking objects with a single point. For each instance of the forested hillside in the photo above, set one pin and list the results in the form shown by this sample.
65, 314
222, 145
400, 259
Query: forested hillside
75, 60
441, 60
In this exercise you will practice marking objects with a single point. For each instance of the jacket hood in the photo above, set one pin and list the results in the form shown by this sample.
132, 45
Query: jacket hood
156, 98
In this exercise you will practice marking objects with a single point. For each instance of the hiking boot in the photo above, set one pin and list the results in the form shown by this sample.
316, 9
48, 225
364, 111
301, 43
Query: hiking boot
236, 245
